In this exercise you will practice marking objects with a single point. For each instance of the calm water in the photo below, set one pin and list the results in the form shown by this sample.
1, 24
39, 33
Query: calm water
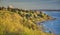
53, 25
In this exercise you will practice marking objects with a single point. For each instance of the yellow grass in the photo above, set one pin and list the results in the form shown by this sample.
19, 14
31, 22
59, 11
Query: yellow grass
14, 24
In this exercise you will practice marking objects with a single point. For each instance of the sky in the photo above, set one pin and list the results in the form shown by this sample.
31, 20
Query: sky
32, 4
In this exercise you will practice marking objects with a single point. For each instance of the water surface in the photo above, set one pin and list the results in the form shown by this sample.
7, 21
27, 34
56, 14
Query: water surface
53, 25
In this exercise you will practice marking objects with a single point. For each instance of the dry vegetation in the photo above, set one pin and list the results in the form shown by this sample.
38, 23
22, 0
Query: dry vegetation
22, 22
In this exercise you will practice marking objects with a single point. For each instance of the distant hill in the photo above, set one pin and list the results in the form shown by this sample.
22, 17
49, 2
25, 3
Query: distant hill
49, 10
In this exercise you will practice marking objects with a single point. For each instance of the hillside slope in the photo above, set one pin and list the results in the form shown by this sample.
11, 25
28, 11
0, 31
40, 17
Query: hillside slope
21, 23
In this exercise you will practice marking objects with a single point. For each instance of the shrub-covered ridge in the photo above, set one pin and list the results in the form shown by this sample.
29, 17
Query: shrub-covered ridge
21, 22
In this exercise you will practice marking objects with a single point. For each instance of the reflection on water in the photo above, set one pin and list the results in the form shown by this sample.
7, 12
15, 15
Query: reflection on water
53, 25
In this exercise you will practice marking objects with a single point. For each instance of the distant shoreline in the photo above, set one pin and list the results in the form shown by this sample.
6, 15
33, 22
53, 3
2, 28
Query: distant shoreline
48, 20
49, 10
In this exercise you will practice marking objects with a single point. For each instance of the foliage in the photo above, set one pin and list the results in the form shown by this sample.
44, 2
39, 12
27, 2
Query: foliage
12, 23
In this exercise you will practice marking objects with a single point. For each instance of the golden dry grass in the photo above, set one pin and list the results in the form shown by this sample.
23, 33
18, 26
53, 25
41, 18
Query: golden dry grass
14, 24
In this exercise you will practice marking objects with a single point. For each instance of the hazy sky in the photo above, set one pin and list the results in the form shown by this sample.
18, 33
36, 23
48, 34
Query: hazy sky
33, 4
